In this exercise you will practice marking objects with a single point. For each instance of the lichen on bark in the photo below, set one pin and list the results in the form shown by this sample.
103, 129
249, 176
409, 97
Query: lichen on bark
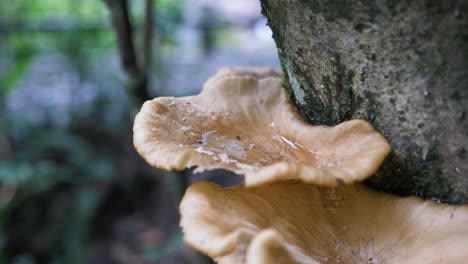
402, 65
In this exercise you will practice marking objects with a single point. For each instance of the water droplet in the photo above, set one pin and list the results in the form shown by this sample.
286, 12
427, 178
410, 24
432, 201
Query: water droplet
216, 116
300, 153
186, 128
153, 129
224, 157
284, 140
245, 167
204, 151
204, 138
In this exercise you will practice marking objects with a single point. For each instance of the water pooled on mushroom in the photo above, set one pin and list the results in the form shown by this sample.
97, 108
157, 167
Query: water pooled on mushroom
248, 149
298, 152
227, 148
221, 144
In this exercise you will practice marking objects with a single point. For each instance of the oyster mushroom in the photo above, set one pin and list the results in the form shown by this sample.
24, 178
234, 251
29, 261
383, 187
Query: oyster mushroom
294, 222
242, 121
269, 247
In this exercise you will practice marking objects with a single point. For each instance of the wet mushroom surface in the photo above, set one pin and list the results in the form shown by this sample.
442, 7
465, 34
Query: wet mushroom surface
293, 222
242, 121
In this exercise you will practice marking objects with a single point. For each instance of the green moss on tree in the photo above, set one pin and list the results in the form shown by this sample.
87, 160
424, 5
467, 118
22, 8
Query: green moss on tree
417, 174
333, 101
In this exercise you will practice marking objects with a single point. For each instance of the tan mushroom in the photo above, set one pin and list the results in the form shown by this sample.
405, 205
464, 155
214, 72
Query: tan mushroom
293, 222
242, 121
254, 72
269, 247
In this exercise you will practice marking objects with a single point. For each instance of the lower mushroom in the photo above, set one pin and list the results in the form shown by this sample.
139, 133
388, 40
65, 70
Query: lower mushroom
292, 222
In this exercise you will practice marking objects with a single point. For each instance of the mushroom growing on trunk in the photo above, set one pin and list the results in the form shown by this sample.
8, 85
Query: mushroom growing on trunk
243, 121
293, 222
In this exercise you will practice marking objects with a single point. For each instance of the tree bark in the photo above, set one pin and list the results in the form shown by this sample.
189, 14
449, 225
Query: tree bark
402, 65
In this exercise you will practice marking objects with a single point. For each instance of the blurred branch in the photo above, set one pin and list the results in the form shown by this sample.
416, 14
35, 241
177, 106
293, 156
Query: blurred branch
148, 34
128, 56
121, 23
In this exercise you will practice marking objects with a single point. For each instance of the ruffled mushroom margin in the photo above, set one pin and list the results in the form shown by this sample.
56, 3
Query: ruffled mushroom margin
243, 121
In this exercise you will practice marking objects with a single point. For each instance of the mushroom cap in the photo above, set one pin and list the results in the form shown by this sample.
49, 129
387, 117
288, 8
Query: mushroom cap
269, 247
243, 121
303, 223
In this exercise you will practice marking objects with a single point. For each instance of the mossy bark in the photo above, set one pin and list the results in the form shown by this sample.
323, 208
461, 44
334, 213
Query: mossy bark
402, 65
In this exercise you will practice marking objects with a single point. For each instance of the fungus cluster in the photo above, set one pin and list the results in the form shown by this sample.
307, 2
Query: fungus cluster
242, 121
297, 204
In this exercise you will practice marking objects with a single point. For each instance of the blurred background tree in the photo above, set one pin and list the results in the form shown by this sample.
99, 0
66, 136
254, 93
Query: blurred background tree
73, 190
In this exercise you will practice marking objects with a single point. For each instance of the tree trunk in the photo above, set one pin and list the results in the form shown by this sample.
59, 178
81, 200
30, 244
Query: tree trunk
402, 65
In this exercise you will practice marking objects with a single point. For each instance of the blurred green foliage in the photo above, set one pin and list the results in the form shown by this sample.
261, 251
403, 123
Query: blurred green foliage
53, 179
38, 11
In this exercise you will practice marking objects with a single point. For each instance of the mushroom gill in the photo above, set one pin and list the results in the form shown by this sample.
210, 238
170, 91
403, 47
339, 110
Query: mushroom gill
243, 121
292, 222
